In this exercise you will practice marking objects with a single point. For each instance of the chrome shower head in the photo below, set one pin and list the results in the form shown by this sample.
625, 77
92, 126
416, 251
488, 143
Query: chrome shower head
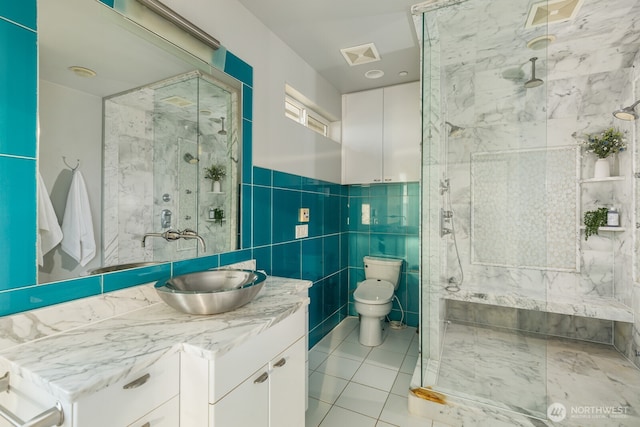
222, 131
627, 113
533, 82
454, 130
189, 158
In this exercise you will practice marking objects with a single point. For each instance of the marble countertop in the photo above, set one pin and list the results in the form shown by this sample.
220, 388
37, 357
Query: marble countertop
77, 348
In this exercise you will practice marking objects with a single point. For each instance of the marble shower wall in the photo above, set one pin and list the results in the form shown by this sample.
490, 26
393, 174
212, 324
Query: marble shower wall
499, 114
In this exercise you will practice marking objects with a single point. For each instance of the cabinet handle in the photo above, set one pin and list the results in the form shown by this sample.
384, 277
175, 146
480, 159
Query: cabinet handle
137, 383
377, 180
147, 424
280, 363
388, 179
262, 378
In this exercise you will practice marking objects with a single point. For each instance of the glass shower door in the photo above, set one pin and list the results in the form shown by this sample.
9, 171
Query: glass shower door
493, 188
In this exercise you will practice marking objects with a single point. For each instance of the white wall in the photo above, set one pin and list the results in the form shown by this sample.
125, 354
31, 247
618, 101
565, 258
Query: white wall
75, 132
278, 143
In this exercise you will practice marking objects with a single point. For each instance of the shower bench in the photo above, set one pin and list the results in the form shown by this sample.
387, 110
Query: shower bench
590, 307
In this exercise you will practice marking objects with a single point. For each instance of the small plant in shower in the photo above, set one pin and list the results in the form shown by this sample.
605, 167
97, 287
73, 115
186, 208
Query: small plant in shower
218, 216
605, 143
215, 173
593, 220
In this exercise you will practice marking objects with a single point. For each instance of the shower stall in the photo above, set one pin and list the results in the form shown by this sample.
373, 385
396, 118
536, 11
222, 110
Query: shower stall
159, 141
510, 287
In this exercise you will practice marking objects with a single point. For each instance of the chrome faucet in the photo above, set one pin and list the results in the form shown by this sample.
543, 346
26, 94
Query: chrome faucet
171, 235
188, 233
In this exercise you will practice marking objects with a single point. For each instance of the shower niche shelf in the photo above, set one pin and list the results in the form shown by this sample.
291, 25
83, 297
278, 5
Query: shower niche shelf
613, 229
607, 179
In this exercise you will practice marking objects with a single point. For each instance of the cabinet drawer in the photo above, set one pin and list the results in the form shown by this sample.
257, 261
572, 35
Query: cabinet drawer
129, 399
228, 370
167, 415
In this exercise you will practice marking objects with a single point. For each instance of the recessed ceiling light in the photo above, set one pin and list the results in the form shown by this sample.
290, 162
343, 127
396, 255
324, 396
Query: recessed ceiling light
82, 71
374, 74
403, 73
541, 42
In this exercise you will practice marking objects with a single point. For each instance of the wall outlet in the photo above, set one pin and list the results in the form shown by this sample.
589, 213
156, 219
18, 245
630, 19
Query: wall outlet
303, 215
302, 231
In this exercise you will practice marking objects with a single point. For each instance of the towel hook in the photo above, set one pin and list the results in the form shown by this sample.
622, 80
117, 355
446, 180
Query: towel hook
64, 159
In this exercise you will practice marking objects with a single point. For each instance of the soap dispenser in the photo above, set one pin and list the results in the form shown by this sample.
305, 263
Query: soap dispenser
613, 217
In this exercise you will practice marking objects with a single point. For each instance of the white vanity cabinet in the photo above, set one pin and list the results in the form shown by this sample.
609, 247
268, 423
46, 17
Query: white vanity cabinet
149, 394
261, 382
381, 135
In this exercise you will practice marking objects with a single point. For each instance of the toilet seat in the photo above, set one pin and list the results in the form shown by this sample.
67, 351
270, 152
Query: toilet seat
374, 291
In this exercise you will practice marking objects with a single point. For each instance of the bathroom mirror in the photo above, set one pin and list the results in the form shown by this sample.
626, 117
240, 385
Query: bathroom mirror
144, 122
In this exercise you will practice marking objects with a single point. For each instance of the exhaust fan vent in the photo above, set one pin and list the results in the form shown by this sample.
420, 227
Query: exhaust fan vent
362, 54
552, 11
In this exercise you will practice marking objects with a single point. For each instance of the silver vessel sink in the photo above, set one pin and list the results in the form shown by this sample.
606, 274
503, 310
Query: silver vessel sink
211, 291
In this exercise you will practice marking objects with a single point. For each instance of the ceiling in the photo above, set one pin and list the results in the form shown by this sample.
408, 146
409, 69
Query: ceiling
317, 31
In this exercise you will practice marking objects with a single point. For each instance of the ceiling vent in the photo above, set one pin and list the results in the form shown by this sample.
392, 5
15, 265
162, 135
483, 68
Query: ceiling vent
552, 11
362, 54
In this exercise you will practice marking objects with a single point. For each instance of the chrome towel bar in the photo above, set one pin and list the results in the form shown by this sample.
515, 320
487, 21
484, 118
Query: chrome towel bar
51, 417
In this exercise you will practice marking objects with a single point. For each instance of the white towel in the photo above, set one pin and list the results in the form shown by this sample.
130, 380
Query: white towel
77, 225
49, 232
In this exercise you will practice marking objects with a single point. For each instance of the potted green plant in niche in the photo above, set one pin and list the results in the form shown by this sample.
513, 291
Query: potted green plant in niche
604, 144
215, 173
218, 216
593, 220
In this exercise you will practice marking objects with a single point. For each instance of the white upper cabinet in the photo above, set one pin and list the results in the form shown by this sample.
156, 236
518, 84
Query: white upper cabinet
381, 135
362, 116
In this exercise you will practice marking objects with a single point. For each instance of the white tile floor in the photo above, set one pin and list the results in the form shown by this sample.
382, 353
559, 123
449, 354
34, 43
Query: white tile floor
357, 386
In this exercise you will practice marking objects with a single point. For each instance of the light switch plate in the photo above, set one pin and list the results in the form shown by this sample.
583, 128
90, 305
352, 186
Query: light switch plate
303, 215
302, 231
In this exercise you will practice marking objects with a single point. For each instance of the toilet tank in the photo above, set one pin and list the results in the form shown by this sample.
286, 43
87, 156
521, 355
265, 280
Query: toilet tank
383, 268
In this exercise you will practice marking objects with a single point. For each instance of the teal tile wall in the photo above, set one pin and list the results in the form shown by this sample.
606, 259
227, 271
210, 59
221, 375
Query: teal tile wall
321, 257
392, 231
18, 148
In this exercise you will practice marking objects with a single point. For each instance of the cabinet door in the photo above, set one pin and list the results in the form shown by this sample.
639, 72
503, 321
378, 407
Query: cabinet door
166, 415
246, 405
362, 137
287, 385
402, 134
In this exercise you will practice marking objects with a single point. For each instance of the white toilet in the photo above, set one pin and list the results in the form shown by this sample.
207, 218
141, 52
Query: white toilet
373, 296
